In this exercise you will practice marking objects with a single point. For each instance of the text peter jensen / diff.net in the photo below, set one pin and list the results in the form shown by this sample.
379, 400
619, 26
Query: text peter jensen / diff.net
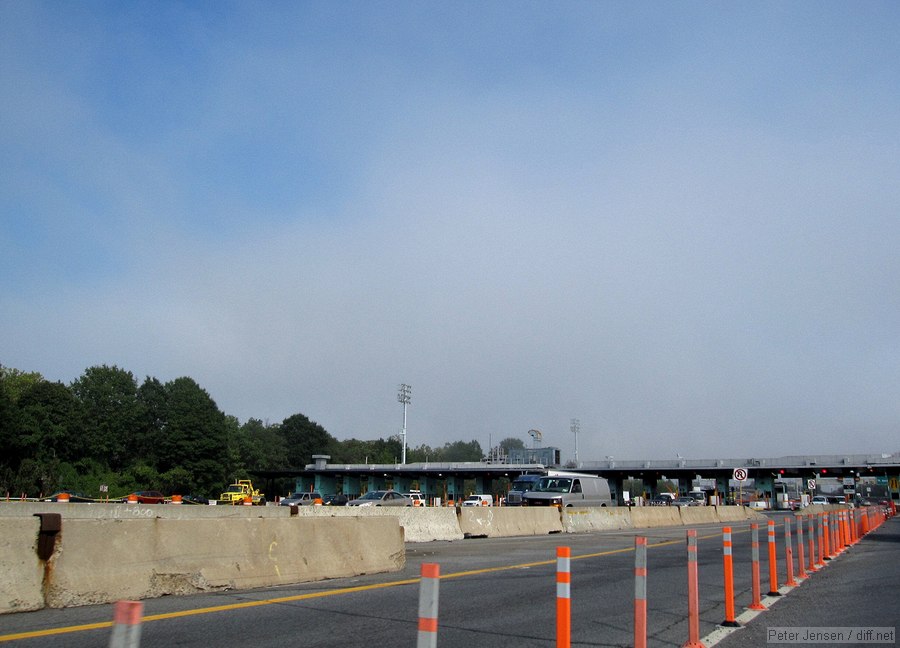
827, 635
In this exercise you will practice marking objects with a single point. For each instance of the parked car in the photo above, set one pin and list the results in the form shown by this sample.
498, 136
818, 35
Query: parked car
699, 496
417, 498
147, 497
194, 499
302, 499
381, 498
570, 489
335, 500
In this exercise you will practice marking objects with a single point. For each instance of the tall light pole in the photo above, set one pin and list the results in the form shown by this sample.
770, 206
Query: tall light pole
576, 426
403, 397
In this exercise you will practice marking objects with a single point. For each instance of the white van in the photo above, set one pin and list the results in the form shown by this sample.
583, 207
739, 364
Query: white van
479, 500
570, 489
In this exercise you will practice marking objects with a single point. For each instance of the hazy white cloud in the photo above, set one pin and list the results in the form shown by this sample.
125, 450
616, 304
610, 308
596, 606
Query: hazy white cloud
656, 242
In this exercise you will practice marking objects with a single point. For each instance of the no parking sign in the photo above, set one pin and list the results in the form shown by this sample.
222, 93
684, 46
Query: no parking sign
740, 474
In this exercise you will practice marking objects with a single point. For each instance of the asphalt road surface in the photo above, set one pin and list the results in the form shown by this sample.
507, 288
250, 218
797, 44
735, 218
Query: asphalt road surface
501, 593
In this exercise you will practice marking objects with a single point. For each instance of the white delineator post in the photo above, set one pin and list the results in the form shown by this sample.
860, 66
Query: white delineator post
429, 588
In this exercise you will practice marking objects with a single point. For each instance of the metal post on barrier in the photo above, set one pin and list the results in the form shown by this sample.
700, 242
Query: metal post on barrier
811, 529
756, 603
789, 553
429, 590
126, 629
801, 568
693, 593
728, 568
563, 598
773, 561
640, 592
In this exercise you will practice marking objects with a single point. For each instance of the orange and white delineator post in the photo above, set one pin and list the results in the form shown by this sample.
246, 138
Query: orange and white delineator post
728, 568
820, 561
640, 592
811, 529
801, 568
789, 553
826, 524
773, 561
429, 589
756, 603
563, 598
693, 593
126, 629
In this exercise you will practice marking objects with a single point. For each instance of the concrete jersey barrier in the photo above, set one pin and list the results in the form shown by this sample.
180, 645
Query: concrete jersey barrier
21, 572
503, 522
591, 519
99, 561
420, 524
648, 517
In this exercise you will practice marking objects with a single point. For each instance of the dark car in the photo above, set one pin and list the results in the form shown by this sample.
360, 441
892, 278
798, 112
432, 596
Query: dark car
194, 499
685, 501
335, 500
147, 497
660, 501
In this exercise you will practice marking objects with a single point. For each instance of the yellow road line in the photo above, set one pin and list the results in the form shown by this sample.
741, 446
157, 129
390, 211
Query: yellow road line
313, 595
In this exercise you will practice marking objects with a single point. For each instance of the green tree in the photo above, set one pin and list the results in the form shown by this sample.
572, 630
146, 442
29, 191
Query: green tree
511, 443
51, 423
304, 438
193, 436
461, 451
113, 414
421, 454
15, 382
257, 446
154, 401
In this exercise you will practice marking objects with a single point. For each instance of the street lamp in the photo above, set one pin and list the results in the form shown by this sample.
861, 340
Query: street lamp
576, 426
404, 397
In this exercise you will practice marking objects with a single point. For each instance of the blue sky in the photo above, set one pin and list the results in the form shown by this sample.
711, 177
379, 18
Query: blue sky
676, 222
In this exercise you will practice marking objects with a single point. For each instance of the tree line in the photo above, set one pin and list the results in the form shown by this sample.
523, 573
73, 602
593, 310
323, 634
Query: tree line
107, 429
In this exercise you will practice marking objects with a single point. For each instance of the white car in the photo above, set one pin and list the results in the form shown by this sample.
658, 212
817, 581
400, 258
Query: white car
381, 498
479, 500
417, 498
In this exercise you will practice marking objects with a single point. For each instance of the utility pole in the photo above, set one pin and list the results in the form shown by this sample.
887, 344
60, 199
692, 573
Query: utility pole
576, 427
404, 397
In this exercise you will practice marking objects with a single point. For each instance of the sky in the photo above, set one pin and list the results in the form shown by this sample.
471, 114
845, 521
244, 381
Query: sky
675, 222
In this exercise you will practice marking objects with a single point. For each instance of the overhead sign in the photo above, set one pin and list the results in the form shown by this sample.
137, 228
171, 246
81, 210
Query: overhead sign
740, 474
811, 484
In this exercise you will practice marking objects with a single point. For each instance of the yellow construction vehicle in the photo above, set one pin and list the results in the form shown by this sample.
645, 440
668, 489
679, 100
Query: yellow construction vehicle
240, 491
